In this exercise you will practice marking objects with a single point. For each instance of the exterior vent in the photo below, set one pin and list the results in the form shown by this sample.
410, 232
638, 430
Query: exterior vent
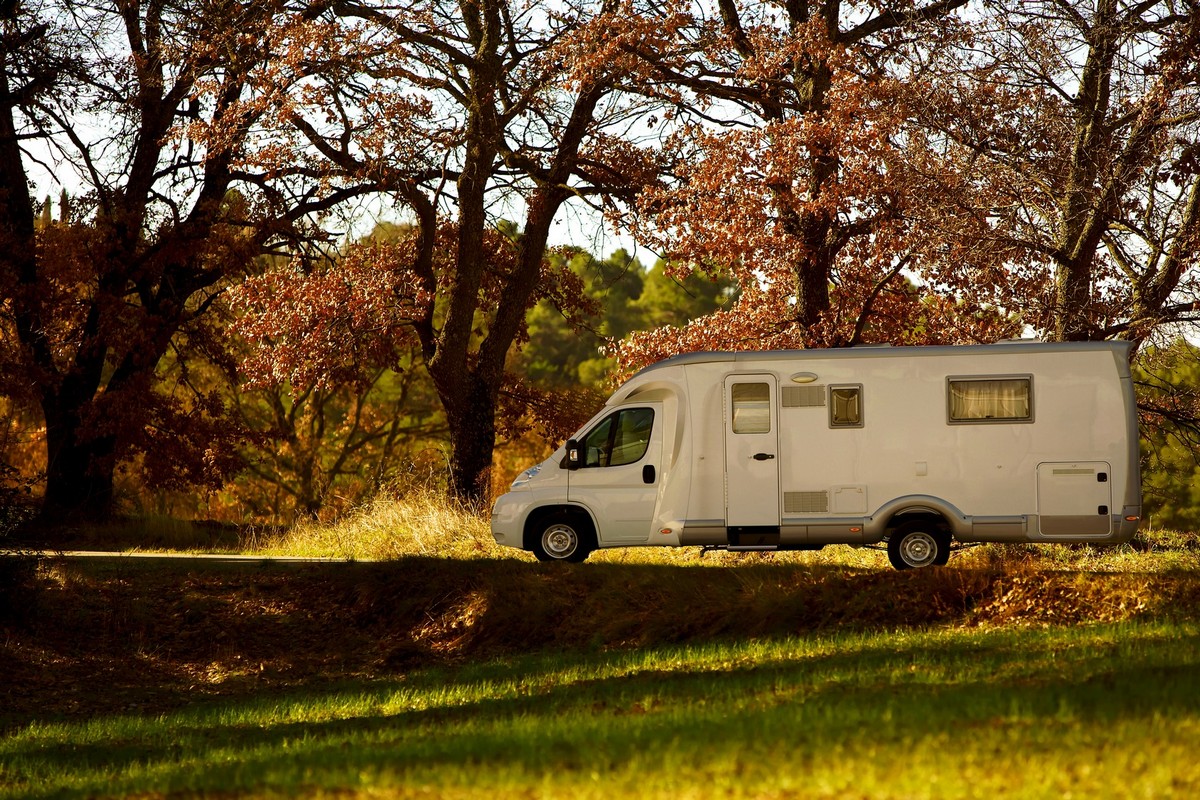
805, 502
803, 396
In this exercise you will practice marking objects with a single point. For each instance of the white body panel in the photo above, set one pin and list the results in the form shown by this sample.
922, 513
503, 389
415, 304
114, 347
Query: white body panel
853, 439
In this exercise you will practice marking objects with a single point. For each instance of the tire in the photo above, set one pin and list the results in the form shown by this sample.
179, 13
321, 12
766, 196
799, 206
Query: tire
919, 544
562, 537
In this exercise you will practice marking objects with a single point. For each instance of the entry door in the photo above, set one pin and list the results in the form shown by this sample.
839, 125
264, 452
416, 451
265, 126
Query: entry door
751, 451
621, 472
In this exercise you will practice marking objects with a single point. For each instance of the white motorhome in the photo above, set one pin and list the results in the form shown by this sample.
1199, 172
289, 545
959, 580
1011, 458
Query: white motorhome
916, 447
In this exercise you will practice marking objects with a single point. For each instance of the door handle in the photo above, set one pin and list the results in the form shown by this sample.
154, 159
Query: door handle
763, 456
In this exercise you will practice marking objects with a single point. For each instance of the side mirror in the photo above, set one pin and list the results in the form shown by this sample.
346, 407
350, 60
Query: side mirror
574, 459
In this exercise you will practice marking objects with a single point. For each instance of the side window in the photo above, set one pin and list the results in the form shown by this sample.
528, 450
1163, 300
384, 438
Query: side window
845, 407
751, 403
620, 438
597, 446
990, 399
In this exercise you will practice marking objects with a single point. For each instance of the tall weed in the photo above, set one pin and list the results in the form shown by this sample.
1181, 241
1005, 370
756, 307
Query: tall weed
419, 522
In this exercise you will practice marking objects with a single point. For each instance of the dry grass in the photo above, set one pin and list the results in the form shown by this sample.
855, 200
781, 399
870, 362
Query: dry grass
421, 522
424, 522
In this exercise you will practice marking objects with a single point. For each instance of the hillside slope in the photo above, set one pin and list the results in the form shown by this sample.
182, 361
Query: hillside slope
79, 639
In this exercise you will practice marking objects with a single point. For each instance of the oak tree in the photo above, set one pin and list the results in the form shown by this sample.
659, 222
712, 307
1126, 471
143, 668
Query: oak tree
788, 137
465, 114
1067, 139
144, 109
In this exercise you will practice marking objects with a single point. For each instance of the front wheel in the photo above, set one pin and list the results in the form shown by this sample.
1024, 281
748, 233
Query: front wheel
918, 544
562, 538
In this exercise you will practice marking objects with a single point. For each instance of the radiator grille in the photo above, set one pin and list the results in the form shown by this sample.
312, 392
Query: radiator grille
803, 396
805, 502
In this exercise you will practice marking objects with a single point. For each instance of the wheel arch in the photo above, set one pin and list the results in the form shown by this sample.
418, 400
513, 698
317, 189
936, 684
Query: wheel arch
540, 515
912, 508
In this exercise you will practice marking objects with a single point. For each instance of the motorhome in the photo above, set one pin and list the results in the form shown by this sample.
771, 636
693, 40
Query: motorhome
921, 450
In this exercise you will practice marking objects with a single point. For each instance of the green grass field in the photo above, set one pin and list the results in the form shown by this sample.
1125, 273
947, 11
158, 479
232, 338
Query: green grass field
1104, 711
454, 669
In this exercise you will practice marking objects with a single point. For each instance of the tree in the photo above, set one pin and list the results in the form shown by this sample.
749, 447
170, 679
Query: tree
1168, 383
677, 301
161, 113
929, 178
790, 170
457, 109
1072, 132
566, 346
321, 450
577, 346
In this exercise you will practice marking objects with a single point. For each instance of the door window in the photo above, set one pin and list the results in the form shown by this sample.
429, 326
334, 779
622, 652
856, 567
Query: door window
620, 438
751, 407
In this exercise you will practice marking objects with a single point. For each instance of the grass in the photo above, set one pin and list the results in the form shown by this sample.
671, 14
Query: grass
424, 523
442, 665
421, 522
1104, 711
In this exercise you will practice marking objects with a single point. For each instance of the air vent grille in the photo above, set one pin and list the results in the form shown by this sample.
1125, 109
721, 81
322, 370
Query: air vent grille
803, 396
805, 502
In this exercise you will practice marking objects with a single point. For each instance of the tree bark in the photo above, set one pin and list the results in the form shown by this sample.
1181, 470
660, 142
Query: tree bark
79, 469
473, 430
1083, 203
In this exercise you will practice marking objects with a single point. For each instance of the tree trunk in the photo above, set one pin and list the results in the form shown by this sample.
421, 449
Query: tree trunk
1083, 202
79, 471
814, 228
1072, 296
86, 419
814, 271
473, 430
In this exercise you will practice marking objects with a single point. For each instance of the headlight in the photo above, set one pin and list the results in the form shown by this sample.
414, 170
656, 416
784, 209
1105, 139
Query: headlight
525, 477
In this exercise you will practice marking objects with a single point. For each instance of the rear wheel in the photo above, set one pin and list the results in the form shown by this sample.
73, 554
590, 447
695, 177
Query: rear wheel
918, 544
562, 538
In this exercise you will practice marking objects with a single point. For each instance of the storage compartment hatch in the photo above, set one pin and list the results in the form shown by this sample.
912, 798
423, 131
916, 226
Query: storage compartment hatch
1074, 499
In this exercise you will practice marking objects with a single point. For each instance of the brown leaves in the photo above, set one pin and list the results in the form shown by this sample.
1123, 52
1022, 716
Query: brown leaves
612, 42
807, 199
334, 324
934, 180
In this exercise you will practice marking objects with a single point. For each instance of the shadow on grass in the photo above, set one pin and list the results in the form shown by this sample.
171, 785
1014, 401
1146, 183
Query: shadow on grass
702, 704
100, 638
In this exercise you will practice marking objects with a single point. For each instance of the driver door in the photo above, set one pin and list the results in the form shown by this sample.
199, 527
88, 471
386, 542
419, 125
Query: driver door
619, 477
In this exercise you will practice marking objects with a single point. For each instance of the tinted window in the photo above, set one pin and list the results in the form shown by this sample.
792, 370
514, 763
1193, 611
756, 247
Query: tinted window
845, 407
620, 438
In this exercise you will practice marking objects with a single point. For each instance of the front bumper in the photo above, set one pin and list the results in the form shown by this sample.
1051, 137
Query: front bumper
508, 520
